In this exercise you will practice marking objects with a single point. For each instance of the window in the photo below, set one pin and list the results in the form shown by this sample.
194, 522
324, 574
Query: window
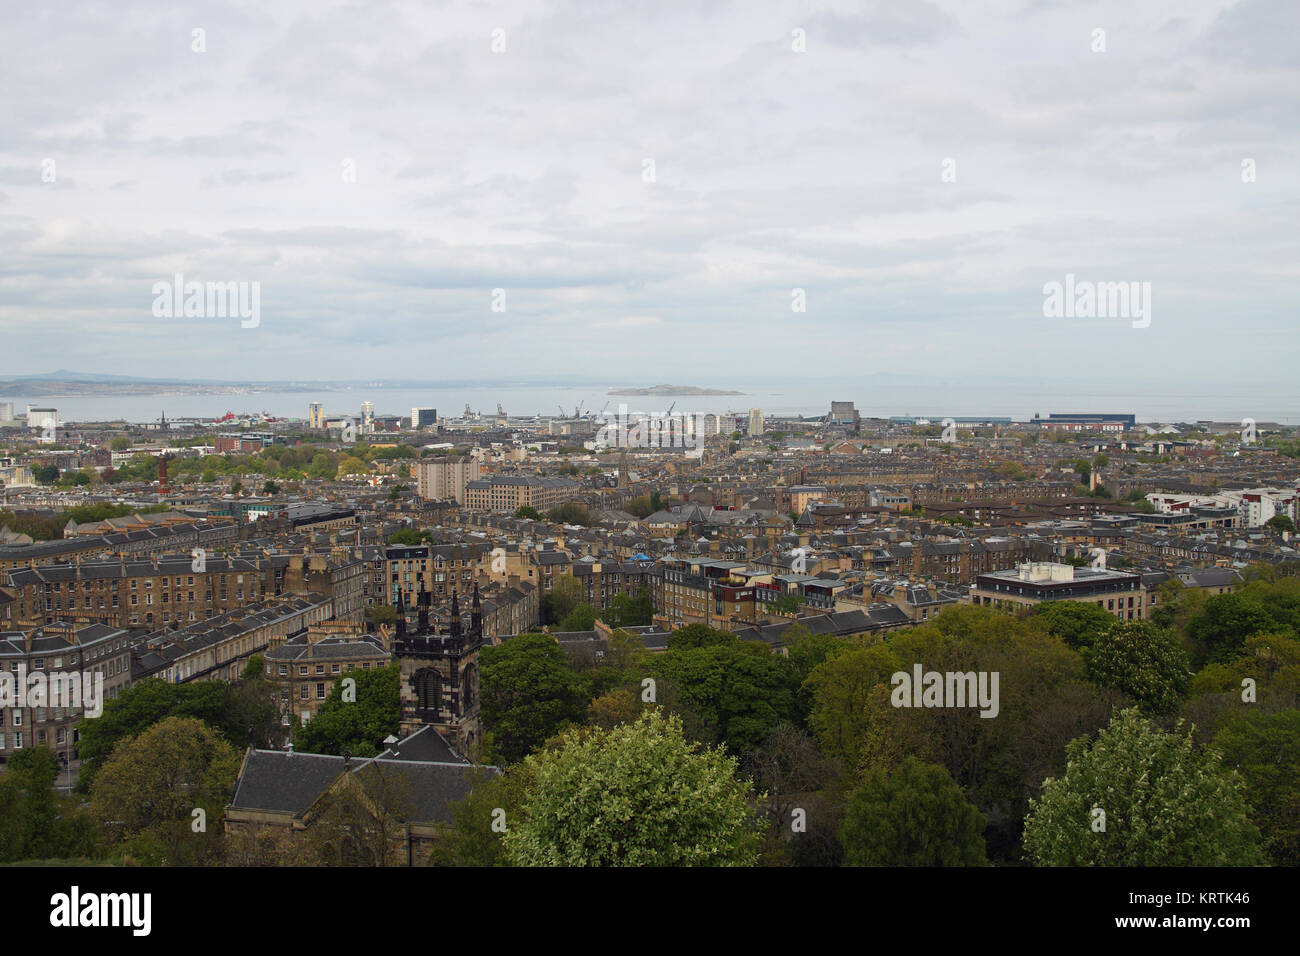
320, 691
334, 668
304, 692
320, 668
302, 670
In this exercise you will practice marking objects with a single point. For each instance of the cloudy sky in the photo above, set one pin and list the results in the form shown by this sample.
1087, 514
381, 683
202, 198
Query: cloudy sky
649, 182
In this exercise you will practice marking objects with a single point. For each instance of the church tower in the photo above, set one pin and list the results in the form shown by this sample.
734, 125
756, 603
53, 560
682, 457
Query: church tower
439, 676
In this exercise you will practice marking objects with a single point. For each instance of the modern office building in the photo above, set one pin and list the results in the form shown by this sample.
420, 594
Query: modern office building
1034, 582
420, 417
315, 415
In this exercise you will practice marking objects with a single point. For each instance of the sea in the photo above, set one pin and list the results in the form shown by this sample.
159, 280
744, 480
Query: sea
874, 396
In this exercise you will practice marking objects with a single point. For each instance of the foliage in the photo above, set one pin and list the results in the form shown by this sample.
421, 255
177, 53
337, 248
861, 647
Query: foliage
529, 694
471, 839
571, 513
140, 706
727, 694
635, 795
913, 816
1265, 749
1142, 661
1077, 623
148, 790
359, 727
1164, 804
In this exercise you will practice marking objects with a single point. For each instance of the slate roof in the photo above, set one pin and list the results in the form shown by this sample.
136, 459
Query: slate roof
286, 782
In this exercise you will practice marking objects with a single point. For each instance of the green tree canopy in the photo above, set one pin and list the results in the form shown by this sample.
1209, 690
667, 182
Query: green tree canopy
359, 726
635, 795
529, 693
1164, 804
1142, 661
1265, 749
148, 790
913, 816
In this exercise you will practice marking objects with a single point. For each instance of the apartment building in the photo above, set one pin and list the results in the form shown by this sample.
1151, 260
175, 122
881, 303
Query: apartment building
512, 492
444, 479
306, 665
137, 541
220, 647
92, 652
177, 589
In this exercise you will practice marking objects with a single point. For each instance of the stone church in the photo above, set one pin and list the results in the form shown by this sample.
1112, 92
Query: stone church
439, 667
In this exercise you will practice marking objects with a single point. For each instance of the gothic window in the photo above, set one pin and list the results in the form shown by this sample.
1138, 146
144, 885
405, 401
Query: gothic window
428, 691
470, 691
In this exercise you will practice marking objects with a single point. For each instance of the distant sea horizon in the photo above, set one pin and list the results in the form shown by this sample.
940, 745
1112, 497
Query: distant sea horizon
875, 396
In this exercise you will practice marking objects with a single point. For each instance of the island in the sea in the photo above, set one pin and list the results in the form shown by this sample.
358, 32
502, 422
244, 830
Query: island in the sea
672, 390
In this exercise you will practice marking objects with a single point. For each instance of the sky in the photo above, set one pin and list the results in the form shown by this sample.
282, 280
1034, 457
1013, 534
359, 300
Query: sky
652, 186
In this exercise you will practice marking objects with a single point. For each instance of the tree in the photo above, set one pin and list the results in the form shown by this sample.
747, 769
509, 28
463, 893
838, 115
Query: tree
1145, 662
149, 789
1078, 623
529, 694
788, 769
270, 488
1219, 632
914, 816
1280, 523
381, 614
635, 795
407, 536
787, 604
619, 706
700, 635
581, 618
352, 466
628, 611
640, 507
46, 474
727, 694
571, 513
253, 669
563, 597
141, 706
358, 727
1265, 749
471, 839
841, 689
529, 512
120, 443
34, 770
1137, 796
